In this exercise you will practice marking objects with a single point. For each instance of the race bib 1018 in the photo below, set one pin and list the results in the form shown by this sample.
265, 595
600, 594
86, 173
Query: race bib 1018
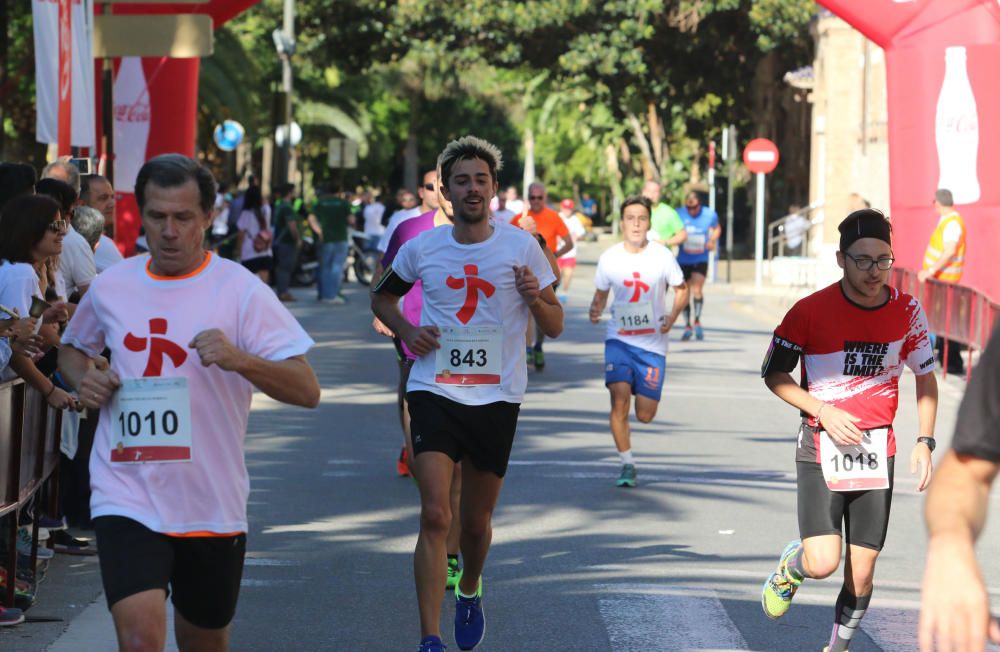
858, 467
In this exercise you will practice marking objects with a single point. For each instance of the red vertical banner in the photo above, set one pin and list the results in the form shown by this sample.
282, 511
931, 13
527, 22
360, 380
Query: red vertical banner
65, 76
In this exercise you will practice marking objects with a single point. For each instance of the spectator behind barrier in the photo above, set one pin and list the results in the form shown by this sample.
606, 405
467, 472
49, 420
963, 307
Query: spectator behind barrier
76, 267
89, 223
31, 232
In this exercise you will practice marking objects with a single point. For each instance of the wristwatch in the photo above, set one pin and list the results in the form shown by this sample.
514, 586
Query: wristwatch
930, 441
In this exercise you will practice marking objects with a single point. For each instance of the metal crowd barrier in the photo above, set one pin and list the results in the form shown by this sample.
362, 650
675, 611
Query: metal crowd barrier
29, 457
955, 312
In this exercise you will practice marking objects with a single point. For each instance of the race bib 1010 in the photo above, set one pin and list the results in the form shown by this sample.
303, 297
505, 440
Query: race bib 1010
151, 421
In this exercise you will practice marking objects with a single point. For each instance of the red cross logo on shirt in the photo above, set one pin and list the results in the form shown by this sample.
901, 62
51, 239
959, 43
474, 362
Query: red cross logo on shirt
640, 287
158, 347
472, 284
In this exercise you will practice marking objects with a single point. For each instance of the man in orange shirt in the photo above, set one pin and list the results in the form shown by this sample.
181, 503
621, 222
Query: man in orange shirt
540, 220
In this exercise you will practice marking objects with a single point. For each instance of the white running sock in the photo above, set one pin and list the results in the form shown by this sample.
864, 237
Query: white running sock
626, 457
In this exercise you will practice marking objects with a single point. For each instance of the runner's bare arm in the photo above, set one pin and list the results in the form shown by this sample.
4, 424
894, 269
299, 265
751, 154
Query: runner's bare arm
838, 423
543, 303
713, 237
94, 384
681, 294
385, 304
291, 380
566, 247
677, 238
597, 305
377, 324
954, 605
553, 262
927, 399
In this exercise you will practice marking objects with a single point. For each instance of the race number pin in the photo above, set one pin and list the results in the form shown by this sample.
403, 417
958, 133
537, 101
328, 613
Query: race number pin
446, 373
120, 447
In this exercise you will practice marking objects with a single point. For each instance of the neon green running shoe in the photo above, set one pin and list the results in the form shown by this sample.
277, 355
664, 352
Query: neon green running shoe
454, 572
780, 587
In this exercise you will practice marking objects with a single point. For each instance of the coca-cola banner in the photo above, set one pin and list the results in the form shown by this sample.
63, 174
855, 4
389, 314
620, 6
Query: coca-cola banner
155, 102
64, 70
944, 120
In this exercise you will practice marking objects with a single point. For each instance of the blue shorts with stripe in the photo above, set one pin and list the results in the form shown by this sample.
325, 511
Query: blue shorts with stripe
643, 370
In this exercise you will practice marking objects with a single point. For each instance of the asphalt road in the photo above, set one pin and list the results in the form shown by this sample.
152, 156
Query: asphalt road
576, 563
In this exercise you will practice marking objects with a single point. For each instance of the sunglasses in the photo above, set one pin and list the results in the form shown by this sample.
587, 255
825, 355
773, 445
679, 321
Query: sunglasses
428, 186
58, 226
533, 197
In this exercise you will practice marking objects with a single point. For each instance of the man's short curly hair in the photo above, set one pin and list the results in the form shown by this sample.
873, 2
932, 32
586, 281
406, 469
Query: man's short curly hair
466, 148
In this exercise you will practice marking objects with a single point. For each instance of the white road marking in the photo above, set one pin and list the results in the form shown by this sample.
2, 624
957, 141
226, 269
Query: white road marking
650, 617
264, 561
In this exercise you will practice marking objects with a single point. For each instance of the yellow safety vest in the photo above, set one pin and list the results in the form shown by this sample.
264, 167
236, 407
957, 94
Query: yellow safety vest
952, 273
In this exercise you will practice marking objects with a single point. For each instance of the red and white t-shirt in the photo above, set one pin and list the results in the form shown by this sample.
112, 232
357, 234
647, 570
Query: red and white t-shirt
147, 321
472, 285
635, 279
852, 356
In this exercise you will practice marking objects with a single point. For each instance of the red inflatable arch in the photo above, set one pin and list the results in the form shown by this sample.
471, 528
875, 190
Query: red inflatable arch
944, 120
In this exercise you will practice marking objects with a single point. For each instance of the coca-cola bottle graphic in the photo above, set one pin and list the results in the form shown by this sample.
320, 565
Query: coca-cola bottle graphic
956, 130
131, 100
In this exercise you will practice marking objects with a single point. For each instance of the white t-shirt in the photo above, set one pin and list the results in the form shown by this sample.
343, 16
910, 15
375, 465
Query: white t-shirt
251, 227
18, 283
515, 206
433, 257
129, 310
106, 254
634, 279
952, 232
76, 262
576, 230
397, 218
373, 218
504, 215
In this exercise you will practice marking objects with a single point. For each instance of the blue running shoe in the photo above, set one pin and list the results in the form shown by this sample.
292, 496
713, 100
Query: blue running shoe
687, 334
431, 644
470, 621
699, 334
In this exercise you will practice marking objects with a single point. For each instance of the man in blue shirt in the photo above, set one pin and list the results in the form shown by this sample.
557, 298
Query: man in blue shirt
703, 231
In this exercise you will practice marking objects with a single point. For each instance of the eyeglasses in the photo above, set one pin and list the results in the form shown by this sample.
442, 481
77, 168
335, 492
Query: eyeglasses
58, 226
533, 197
864, 263
428, 186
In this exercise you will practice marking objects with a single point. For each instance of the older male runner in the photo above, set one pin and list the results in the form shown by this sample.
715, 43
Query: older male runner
191, 335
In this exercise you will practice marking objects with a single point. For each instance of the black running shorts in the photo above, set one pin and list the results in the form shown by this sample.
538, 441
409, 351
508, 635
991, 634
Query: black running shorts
864, 514
201, 574
694, 268
484, 434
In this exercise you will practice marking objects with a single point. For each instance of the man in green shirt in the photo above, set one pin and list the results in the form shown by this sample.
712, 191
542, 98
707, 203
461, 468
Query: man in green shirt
287, 239
329, 218
666, 226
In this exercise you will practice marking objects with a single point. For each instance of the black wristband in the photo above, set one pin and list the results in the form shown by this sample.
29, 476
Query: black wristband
929, 441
